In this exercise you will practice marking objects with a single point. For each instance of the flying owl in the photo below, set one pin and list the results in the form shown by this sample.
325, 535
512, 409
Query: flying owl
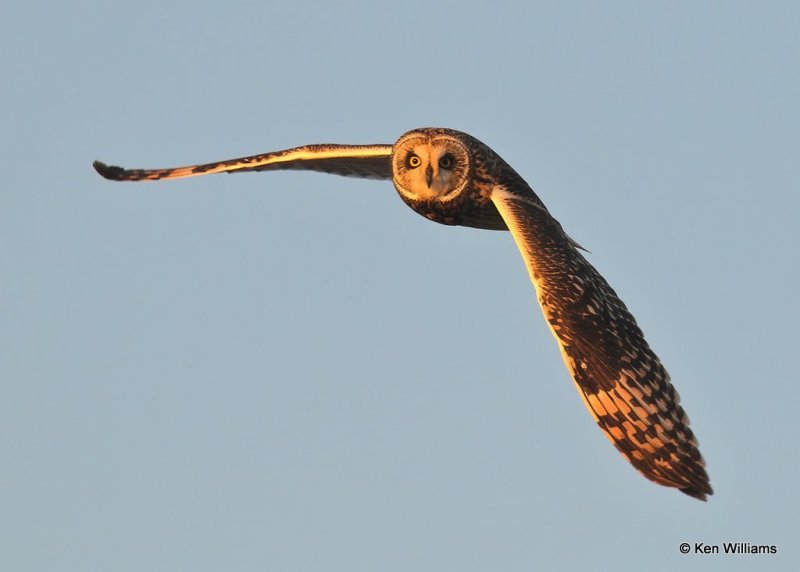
452, 178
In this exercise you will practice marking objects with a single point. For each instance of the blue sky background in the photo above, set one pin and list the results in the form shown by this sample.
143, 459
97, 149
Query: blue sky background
293, 371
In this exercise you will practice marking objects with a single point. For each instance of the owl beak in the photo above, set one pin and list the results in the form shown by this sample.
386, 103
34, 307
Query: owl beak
428, 175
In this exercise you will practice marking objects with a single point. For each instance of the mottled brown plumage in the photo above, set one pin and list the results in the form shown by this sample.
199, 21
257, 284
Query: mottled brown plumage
452, 178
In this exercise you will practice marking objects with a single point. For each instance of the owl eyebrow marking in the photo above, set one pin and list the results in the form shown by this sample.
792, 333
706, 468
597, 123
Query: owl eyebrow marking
619, 378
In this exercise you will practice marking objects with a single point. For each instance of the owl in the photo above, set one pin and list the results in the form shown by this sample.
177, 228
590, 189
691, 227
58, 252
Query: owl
452, 178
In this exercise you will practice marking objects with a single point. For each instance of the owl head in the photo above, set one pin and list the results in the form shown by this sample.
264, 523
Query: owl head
431, 165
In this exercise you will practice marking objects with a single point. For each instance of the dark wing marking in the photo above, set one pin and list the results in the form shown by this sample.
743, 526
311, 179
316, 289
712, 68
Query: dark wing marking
620, 379
365, 161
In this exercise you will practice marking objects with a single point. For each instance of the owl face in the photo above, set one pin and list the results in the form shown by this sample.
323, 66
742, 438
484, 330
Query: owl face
430, 166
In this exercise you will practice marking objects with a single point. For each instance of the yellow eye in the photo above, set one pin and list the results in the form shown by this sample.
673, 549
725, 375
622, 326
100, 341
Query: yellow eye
446, 162
413, 161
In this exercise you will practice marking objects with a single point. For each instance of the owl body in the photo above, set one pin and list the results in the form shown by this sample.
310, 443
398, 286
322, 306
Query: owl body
454, 179
478, 166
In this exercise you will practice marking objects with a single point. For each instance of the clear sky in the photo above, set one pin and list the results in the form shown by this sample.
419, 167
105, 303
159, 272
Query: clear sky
295, 372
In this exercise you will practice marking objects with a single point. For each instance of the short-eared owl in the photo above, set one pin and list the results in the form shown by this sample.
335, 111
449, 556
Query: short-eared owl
454, 179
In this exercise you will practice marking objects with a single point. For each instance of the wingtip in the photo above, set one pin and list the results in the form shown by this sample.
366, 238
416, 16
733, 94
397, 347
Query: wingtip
698, 493
110, 172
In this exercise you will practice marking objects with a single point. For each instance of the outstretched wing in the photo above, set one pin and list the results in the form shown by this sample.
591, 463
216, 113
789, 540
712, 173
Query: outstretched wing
364, 161
620, 379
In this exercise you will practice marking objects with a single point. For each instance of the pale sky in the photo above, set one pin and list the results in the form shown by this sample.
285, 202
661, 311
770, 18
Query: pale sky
296, 372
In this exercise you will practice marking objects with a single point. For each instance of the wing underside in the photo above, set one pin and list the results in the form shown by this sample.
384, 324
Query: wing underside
363, 161
621, 380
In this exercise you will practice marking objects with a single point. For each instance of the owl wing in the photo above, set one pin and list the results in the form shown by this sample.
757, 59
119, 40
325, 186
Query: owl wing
621, 380
364, 161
